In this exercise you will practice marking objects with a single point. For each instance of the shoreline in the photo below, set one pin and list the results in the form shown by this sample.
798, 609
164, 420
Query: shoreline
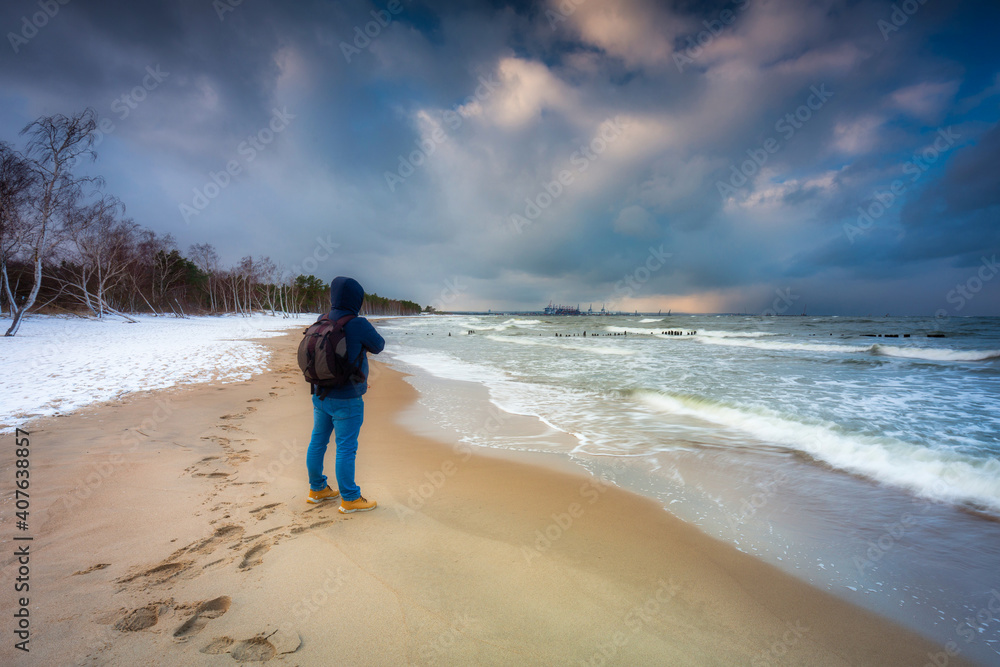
195, 502
745, 461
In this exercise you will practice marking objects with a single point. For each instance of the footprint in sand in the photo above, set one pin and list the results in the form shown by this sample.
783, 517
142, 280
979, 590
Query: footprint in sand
312, 526
239, 457
201, 463
205, 612
221, 535
261, 648
264, 511
93, 568
209, 465
159, 574
255, 649
217, 646
254, 400
139, 619
254, 556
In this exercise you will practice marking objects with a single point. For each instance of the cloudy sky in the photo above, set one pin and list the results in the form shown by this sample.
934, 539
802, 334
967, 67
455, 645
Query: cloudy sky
748, 155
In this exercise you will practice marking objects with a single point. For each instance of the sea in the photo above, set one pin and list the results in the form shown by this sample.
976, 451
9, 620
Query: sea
861, 455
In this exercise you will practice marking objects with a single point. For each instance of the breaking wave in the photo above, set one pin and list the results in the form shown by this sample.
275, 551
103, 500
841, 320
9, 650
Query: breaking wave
937, 473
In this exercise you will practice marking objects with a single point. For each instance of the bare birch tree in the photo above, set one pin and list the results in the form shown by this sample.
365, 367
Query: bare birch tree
17, 182
206, 259
55, 144
103, 247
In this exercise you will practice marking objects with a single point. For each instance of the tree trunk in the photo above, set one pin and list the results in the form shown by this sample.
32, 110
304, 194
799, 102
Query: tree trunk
118, 313
8, 294
18, 313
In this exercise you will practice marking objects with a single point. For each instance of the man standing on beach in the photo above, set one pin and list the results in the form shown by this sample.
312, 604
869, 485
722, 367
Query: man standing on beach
341, 409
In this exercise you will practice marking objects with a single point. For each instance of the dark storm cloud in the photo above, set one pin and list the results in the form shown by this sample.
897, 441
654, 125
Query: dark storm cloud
426, 140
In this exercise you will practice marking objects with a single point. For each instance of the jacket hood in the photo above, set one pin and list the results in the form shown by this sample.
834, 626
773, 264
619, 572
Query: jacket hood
346, 294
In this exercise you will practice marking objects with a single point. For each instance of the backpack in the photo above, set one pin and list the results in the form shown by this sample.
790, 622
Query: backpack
322, 354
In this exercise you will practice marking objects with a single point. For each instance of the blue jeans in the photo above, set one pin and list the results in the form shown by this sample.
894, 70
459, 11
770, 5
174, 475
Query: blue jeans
343, 415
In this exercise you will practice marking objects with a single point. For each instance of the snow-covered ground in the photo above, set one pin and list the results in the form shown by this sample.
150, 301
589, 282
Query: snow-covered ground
58, 364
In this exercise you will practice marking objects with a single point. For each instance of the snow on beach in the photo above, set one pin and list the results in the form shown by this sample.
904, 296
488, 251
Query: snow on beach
58, 364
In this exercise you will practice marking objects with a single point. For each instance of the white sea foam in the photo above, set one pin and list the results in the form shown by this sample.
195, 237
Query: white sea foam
650, 319
512, 323
631, 330
735, 334
560, 344
445, 366
512, 396
935, 353
786, 346
934, 473
906, 352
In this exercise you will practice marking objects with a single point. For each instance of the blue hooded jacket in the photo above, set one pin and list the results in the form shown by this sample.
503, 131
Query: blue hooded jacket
346, 297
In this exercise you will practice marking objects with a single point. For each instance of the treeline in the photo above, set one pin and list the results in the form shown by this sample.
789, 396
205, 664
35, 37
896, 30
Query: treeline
315, 298
66, 246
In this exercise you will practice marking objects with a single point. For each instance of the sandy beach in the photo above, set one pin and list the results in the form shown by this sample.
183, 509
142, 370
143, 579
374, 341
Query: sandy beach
172, 528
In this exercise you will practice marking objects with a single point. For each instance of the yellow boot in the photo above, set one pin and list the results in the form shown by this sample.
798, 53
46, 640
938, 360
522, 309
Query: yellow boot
359, 505
316, 497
